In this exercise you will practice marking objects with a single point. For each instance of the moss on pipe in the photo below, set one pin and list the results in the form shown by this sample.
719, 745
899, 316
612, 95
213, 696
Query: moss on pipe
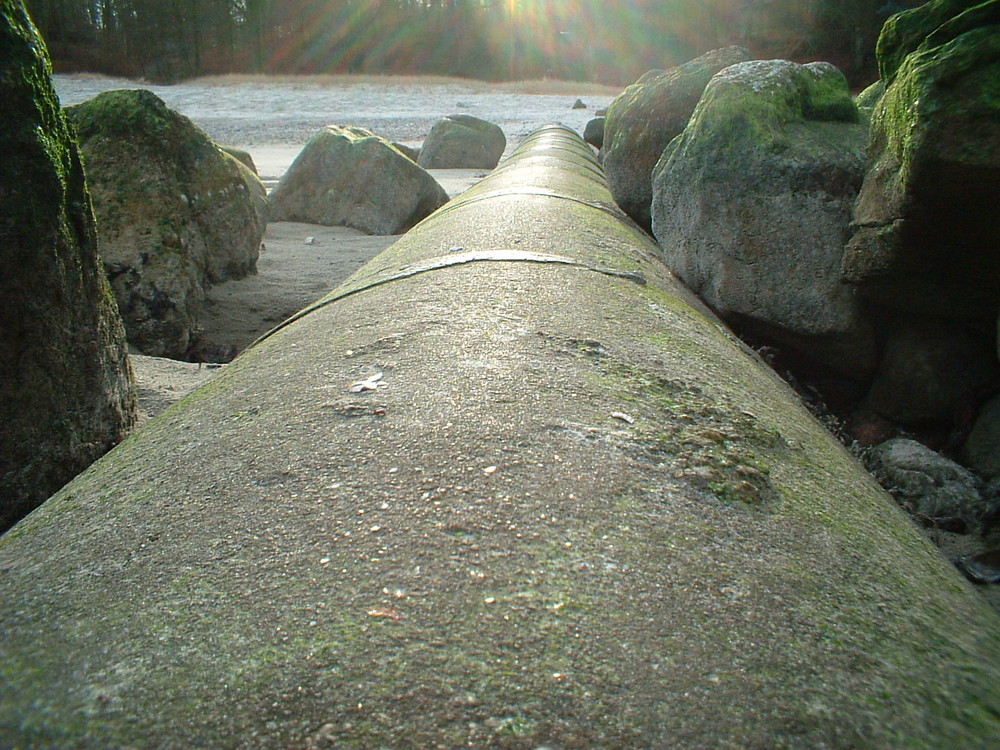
575, 512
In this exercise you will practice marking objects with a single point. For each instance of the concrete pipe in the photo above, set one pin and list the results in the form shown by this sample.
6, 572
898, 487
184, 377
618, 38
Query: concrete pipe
510, 486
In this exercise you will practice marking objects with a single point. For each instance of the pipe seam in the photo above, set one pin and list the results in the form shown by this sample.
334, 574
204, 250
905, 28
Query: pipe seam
458, 259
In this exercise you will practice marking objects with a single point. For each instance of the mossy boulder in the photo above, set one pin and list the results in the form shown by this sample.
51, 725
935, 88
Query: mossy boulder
931, 372
351, 177
868, 98
411, 153
982, 450
930, 25
66, 392
931, 486
255, 188
462, 142
174, 214
926, 239
243, 157
752, 206
645, 117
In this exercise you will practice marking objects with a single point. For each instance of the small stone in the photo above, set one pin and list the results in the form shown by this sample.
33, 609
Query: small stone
930, 485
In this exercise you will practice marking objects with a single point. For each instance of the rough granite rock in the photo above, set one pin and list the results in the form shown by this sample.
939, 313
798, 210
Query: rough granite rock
868, 98
462, 142
351, 177
926, 239
174, 213
930, 372
255, 188
930, 485
241, 156
752, 207
929, 25
66, 392
594, 132
645, 117
982, 449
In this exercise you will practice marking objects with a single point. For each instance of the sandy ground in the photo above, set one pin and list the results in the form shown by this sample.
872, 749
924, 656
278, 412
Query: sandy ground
255, 113
299, 264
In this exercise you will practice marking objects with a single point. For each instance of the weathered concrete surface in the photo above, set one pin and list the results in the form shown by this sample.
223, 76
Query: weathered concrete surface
576, 513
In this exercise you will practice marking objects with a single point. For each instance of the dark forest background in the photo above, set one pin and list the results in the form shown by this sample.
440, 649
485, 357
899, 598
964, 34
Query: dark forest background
609, 41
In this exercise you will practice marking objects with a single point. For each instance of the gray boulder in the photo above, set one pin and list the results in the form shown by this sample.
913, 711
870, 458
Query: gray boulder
255, 188
66, 392
930, 486
930, 372
926, 237
413, 154
174, 212
243, 157
982, 449
645, 117
594, 132
351, 177
462, 142
752, 206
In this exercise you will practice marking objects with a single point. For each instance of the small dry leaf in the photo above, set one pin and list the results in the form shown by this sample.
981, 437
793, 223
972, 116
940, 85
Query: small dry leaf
390, 614
369, 384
